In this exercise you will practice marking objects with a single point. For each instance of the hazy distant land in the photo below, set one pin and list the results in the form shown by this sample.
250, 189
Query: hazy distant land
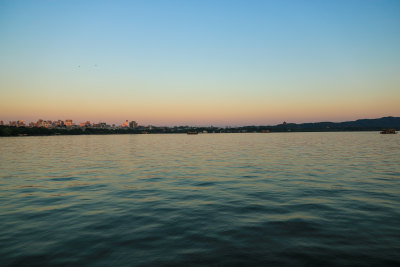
357, 125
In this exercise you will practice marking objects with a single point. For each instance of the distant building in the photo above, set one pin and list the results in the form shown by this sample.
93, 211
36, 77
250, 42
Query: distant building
21, 123
1, 123
59, 123
133, 124
40, 123
126, 124
68, 123
100, 125
85, 124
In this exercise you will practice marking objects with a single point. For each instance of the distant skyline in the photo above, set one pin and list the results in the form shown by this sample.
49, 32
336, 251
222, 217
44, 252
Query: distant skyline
199, 62
70, 122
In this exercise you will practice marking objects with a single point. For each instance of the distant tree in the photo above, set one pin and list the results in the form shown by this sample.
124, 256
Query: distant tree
5, 131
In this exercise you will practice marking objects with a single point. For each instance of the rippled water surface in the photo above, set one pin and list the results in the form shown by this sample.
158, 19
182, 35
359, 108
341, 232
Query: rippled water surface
294, 199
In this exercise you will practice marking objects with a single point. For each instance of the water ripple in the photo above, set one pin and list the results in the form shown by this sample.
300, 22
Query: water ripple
295, 199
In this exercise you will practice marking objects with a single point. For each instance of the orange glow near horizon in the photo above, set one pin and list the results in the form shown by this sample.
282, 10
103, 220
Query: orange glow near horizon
214, 112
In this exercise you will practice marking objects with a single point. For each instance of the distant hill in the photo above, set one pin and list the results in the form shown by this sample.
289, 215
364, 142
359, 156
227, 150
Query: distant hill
362, 124
386, 122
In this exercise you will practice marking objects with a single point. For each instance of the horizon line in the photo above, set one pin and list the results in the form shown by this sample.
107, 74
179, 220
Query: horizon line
180, 125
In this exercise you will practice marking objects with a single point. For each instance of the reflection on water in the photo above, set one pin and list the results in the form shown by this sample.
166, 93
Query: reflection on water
212, 199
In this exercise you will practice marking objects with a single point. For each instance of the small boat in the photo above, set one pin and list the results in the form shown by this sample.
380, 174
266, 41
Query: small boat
192, 133
388, 131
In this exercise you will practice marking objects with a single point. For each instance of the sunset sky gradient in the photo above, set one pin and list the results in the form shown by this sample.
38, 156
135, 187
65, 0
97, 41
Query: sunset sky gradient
199, 62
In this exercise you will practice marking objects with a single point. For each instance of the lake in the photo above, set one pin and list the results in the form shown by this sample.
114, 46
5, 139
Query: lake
287, 199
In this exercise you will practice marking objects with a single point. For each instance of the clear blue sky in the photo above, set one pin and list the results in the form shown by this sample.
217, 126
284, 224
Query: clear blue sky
199, 62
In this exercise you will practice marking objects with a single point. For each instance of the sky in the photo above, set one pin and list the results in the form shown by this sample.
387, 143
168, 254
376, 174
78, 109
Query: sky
199, 62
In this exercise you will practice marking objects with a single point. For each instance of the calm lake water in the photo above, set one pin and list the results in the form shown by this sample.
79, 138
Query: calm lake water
292, 199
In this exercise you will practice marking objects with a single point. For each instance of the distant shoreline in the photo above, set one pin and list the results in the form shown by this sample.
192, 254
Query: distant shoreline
349, 126
19, 132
